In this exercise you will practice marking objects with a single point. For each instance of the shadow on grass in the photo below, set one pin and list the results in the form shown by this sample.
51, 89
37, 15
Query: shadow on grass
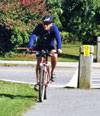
69, 56
16, 96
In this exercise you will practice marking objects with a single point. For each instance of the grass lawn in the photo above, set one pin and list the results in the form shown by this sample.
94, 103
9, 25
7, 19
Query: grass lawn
70, 54
15, 98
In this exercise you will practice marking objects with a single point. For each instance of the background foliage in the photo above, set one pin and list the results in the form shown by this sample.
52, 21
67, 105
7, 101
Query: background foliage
17, 20
77, 20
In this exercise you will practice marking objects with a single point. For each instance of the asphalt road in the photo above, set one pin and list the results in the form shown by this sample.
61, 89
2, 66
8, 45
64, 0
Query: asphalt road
60, 101
27, 74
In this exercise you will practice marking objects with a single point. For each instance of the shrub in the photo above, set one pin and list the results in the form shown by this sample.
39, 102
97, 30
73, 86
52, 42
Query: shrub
19, 17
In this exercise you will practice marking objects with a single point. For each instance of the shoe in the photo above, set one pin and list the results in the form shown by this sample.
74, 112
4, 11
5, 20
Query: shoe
36, 87
53, 76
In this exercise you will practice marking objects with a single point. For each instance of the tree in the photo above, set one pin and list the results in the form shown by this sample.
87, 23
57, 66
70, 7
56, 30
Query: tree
54, 7
19, 17
78, 19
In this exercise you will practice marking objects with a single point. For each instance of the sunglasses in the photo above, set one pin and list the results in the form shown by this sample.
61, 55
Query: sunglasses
46, 23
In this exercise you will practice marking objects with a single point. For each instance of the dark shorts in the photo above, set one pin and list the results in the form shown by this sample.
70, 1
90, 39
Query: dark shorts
48, 47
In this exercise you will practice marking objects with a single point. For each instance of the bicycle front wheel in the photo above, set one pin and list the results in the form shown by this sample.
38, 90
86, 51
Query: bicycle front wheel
41, 85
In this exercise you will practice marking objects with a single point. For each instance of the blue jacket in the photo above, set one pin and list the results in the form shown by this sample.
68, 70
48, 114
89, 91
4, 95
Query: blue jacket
51, 35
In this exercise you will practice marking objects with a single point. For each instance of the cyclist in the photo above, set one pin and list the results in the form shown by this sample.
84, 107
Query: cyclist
48, 39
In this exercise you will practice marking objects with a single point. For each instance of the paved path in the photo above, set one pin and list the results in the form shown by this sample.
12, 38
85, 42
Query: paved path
68, 102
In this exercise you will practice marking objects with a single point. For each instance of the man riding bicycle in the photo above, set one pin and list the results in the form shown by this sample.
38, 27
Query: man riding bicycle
48, 39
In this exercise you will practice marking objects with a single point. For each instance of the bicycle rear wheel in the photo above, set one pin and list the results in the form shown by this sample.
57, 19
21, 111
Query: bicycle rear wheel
42, 85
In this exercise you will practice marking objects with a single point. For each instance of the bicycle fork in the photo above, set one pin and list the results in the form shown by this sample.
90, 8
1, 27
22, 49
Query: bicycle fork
47, 75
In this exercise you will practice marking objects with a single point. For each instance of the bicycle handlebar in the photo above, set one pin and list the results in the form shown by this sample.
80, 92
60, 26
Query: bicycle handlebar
42, 52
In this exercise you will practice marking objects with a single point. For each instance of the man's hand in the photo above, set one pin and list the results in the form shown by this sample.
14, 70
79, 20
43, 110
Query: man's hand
29, 50
59, 51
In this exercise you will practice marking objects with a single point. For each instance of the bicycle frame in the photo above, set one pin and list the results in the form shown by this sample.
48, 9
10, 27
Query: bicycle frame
44, 74
45, 66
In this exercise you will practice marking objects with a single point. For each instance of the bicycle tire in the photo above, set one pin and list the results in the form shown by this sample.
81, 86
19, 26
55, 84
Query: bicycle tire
41, 85
48, 79
45, 93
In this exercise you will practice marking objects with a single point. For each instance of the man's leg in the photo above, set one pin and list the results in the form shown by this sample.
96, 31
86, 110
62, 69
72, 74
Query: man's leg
36, 87
53, 62
37, 68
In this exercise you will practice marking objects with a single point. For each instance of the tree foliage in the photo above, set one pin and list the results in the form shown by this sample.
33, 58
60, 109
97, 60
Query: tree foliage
78, 20
19, 17
55, 6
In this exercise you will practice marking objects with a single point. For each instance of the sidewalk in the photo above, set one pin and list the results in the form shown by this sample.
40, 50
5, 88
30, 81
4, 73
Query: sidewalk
68, 102
33, 63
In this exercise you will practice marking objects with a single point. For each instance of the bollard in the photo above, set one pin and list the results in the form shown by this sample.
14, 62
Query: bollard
85, 66
98, 49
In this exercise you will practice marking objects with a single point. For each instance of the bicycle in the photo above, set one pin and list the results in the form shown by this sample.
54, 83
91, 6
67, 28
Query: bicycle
44, 73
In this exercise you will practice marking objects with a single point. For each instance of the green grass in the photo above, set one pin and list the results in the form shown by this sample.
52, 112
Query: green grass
15, 99
70, 54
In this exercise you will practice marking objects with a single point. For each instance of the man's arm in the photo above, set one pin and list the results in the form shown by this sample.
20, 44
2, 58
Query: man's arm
31, 41
33, 36
58, 37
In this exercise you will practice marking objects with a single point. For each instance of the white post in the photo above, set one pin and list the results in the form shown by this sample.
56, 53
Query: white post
98, 49
85, 66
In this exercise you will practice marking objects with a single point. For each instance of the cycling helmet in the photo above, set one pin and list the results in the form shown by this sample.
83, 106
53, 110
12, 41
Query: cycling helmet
47, 19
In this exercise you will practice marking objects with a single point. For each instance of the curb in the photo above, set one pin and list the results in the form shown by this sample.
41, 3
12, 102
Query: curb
17, 63
33, 63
